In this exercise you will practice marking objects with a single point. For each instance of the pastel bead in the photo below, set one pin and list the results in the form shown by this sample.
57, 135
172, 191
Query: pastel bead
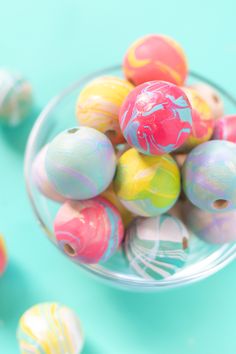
203, 121
88, 231
212, 228
99, 103
225, 128
110, 195
212, 97
155, 57
40, 177
147, 185
156, 118
209, 176
3, 255
80, 163
15, 98
156, 247
50, 328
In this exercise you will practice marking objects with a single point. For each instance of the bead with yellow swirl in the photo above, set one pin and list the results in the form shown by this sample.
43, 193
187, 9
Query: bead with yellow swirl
147, 185
50, 328
99, 103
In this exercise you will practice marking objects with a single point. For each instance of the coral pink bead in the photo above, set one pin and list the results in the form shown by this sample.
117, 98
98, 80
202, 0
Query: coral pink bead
155, 57
3, 255
89, 231
225, 129
156, 117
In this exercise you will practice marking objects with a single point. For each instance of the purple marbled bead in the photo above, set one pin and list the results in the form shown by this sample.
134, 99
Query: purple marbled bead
209, 176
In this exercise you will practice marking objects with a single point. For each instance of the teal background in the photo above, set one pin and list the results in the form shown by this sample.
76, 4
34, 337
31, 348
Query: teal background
54, 43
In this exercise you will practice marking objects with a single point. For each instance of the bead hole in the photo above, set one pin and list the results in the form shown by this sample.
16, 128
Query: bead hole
220, 204
185, 243
110, 133
69, 250
72, 131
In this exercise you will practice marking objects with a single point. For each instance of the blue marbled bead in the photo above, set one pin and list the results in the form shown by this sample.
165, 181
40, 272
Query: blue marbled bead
80, 163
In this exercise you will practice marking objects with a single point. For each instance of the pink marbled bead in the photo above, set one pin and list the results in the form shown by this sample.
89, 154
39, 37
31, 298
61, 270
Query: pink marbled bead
225, 128
88, 231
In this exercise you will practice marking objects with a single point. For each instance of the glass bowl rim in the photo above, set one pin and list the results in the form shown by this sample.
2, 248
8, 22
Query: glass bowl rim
229, 253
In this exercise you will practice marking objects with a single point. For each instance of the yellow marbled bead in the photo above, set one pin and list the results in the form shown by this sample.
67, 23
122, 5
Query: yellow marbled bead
99, 103
50, 328
147, 185
203, 121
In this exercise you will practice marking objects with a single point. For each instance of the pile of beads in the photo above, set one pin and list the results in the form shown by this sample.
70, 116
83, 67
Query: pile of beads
142, 146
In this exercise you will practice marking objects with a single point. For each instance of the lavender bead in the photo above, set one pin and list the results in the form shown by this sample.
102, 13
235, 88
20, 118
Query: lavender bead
212, 228
209, 176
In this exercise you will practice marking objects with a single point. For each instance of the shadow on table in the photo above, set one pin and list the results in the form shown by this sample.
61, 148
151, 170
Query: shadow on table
175, 315
15, 294
16, 137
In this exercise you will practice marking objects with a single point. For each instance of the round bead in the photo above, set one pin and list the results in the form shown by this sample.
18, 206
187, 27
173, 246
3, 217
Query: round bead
50, 328
203, 121
99, 103
88, 231
40, 177
110, 195
225, 128
212, 97
156, 118
155, 57
147, 185
156, 247
209, 176
80, 163
3, 256
212, 228
15, 98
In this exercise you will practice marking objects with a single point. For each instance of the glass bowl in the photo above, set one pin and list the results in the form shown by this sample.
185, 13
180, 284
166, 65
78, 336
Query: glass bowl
203, 260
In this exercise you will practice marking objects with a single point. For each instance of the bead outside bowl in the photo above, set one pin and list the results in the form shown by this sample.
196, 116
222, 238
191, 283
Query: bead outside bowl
203, 260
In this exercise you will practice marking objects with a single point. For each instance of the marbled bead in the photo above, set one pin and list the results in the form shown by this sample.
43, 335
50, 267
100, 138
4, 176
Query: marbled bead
225, 128
156, 118
80, 163
212, 97
156, 247
3, 256
155, 57
147, 185
50, 328
203, 121
15, 98
88, 231
99, 103
209, 176
210, 227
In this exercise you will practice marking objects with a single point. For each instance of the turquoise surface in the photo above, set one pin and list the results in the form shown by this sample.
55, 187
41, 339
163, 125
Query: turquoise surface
54, 43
